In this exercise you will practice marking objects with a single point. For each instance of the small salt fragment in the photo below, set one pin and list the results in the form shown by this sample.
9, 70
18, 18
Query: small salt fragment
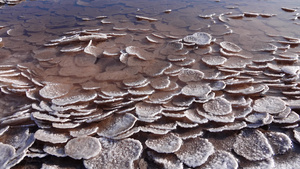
207, 16
83, 147
145, 18
168, 143
289, 9
168, 11
195, 151
251, 14
253, 145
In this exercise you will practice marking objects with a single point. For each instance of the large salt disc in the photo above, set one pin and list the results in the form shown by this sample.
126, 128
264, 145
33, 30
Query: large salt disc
116, 154
218, 106
268, 104
187, 75
168, 143
194, 152
253, 145
196, 89
221, 159
147, 109
230, 47
83, 147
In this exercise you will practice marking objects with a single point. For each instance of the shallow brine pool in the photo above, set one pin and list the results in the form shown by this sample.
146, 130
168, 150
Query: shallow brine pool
149, 84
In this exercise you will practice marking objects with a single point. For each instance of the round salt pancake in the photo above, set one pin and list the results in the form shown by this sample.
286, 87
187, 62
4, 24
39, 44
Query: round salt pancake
84, 131
75, 97
115, 154
113, 91
135, 81
199, 38
230, 127
168, 143
116, 125
221, 159
218, 106
187, 75
147, 109
196, 89
195, 151
192, 115
161, 82
292, 117
230, 47
253, 145
160, 97
236, 63
280, 142
83, 147
268, 104
214, 60
229, 118
51, 137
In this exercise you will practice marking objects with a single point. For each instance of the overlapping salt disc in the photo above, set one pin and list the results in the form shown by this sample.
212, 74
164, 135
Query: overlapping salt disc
187, 75
195, 151
218, 106
116, 154
268, 104
74, 97
280, 142
196, 89
83, 147
214, 60
117, 125
168, 143
221, 159
51, 137
199, 38
146, 109
230, 47
253, 145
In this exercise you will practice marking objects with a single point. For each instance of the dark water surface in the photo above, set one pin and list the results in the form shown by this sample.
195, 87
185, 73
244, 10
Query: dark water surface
133, 84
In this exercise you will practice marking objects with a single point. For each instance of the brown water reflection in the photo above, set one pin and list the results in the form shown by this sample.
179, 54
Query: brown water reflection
141, 86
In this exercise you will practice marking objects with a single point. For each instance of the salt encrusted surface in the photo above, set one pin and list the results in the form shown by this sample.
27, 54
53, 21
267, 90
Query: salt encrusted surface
149, 90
